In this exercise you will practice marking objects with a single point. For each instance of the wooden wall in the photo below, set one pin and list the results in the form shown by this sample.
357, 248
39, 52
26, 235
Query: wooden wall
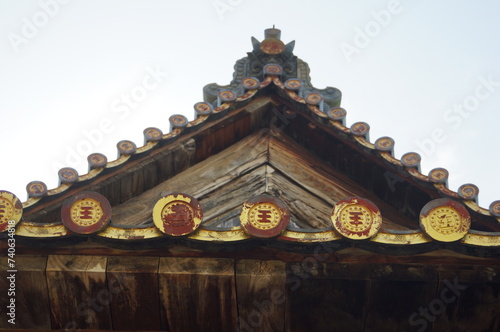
224, 294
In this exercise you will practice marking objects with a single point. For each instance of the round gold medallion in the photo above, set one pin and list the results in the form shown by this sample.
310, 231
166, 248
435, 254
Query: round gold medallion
356, 218
293, 84
337, 113
97, 160
360, 128
152, 134
177, 214
384, 144
438, 175
86, 212
273, 69
264, 216
227, 95
445, 220
250, 83
411, 159
495, 208
11, 210
203, 108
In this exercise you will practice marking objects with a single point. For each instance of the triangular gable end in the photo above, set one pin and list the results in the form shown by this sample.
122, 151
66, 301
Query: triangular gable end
302, 154
264, 213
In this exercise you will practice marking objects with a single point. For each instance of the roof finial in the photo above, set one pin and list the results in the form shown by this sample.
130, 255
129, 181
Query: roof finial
272, 33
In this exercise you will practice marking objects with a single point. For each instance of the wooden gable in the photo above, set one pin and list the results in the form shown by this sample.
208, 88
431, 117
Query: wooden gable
268, 135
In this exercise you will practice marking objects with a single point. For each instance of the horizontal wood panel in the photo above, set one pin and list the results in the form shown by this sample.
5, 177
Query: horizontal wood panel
198, 294
79, 296
133, 284
261, 295
344, 290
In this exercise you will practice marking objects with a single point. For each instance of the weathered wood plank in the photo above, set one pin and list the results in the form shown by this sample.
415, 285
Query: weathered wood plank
232, 195
397, 292
226, 132
209, 175
184, 156
468, 299
326, 296
164, 166
29, 289
32, 298
198, 294
110, 188
133, 283
261, 294
228, 219
310, 172
4, 299
131, 185
306, 210
79, 296
314, 175
226, 137
149, 174
205, 144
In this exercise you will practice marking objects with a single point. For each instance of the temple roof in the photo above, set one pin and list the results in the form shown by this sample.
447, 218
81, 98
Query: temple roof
269, 134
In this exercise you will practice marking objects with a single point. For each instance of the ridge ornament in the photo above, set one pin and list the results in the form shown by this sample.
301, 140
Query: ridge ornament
86, 213
264, 216
177, 214
356, 218
11, 210
445, 220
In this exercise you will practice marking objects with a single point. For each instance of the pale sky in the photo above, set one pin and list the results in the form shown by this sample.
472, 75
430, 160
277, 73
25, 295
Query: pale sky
426, 73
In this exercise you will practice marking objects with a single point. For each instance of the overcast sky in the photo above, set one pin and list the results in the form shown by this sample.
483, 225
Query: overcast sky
78, 76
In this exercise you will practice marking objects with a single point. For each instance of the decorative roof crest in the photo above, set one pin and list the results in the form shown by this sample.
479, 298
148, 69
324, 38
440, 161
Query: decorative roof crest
271, 51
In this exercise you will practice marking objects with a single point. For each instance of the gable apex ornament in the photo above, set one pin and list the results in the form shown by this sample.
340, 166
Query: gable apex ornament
271, 56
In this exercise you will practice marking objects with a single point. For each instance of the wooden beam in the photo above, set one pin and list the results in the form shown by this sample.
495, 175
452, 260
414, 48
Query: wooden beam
396, 293
79, 295
326, 296
133, 283
261, 294
198, 294
32, 310
467, 299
